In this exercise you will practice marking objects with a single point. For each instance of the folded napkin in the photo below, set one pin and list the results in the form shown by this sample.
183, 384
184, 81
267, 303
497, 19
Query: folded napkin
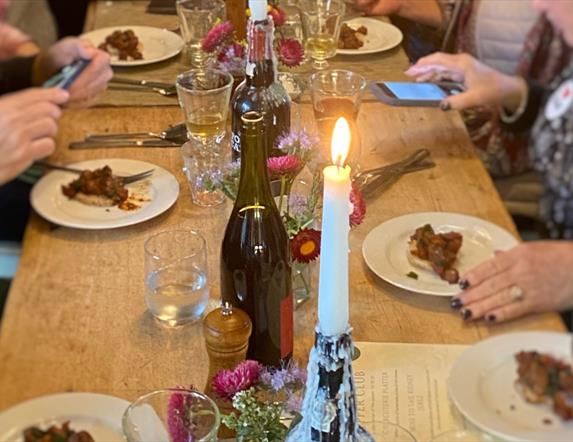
161, 7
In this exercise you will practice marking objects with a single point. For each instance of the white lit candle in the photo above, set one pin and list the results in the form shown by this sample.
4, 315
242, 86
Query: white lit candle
333, 283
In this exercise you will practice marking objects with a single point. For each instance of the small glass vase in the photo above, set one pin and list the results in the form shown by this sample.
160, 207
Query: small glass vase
302, 281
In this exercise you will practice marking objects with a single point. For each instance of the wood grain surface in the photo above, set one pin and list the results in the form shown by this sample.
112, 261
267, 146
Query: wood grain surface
76, 320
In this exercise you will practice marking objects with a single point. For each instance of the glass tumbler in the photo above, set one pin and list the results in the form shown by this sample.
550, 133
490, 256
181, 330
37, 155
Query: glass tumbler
171, 415
204, 96
321, 21
337, 93
196, 18
176, 289
203, 166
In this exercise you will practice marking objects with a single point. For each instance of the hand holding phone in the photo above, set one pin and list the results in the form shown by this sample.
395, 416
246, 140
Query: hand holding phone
414, 94
64, 78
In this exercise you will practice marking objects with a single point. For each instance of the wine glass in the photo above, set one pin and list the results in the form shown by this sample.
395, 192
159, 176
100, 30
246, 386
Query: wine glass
171, 415
337, 93
196, 18
321, 21
204, 96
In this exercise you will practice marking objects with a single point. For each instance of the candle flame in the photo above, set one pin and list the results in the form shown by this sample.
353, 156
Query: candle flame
340, 142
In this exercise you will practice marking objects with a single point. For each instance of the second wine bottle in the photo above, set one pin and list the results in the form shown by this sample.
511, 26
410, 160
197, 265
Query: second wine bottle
255, 255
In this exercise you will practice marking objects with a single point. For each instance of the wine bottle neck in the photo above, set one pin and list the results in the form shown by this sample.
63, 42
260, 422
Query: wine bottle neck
261, 62
254, 188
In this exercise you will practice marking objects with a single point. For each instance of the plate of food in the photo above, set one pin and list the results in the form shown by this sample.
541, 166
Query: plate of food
427, 252
136, 45
98, 199
66, 417
363, 35
517, 386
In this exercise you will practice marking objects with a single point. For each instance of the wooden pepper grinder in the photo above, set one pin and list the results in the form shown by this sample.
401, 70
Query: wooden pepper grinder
226, 330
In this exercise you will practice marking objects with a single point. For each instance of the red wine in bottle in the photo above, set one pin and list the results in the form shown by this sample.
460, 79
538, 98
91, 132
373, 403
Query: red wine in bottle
255, 255
260, 90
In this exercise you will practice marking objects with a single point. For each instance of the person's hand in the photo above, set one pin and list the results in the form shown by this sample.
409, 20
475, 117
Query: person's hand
484, 85
12, 40
532, 277
92, 80
28, 125
378, 7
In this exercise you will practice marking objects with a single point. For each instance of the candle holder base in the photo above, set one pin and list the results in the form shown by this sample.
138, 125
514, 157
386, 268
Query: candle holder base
329, 406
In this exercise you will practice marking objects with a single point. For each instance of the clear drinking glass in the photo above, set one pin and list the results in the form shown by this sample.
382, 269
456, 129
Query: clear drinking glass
337, 93
196, 18
176, 290
171, 415
321, 21
202, 166
204, 96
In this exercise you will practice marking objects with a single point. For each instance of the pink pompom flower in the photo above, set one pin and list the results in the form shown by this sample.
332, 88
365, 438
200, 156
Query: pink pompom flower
358, 207
284, 165
179, 424
227, 383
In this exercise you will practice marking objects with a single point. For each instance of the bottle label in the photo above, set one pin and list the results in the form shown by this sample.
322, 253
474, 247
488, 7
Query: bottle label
286, 326
236, 143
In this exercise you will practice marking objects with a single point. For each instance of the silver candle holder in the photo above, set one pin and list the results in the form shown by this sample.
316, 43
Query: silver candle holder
329, 406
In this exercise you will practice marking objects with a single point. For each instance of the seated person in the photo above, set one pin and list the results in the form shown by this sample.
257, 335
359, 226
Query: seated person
534, 276
29, 115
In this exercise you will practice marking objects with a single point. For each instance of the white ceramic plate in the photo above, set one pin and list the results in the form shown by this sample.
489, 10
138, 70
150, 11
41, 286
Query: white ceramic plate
481, 385
48, 200
386, 246
381, 36
98, 414
156, 44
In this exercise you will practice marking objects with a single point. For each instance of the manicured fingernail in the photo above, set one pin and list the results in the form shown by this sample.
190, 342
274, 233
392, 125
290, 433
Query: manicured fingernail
445, 106
464, 284
456, 303
490, 318
466, 313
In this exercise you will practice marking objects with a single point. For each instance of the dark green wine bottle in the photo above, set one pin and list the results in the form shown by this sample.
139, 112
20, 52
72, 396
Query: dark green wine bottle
255, 255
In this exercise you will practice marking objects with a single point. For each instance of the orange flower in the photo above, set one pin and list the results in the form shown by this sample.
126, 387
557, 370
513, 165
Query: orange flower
305, 245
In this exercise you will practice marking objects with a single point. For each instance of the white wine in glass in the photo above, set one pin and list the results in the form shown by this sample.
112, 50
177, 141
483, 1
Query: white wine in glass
206, 126
321, 47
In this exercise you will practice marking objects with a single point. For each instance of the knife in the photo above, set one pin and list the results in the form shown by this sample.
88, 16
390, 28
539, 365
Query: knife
86, 144
144, 83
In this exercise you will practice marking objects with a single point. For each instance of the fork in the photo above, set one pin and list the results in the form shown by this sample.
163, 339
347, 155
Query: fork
126, 179
165, 91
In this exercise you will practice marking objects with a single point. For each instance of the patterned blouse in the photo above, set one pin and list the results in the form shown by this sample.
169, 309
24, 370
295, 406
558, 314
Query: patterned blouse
551, 151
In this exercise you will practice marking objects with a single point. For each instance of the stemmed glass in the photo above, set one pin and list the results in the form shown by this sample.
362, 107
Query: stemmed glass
197, 17
321, 21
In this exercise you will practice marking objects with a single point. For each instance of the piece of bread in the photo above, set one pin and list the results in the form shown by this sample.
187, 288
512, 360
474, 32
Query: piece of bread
414, 260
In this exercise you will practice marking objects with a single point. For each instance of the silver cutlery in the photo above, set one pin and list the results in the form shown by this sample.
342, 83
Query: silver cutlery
374, 180
166, 89
126, 179
113, 143
175, 133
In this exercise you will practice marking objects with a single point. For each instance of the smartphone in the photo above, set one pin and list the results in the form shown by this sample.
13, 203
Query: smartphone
414, 94
67, 75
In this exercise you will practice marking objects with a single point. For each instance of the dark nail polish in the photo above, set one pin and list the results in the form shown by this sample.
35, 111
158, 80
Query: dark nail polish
464, 284
466, 313
490, 318
445, 106
456, 303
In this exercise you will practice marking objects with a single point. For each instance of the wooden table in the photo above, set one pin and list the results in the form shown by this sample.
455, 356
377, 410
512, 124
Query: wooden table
76, 320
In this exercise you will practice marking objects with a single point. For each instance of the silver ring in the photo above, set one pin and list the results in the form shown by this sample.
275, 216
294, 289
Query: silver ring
516, 293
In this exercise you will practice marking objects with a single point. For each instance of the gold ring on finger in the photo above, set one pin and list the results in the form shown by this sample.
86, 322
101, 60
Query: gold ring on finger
516, 293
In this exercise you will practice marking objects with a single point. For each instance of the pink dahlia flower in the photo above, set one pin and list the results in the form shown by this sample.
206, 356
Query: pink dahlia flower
216, 36
290, 52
